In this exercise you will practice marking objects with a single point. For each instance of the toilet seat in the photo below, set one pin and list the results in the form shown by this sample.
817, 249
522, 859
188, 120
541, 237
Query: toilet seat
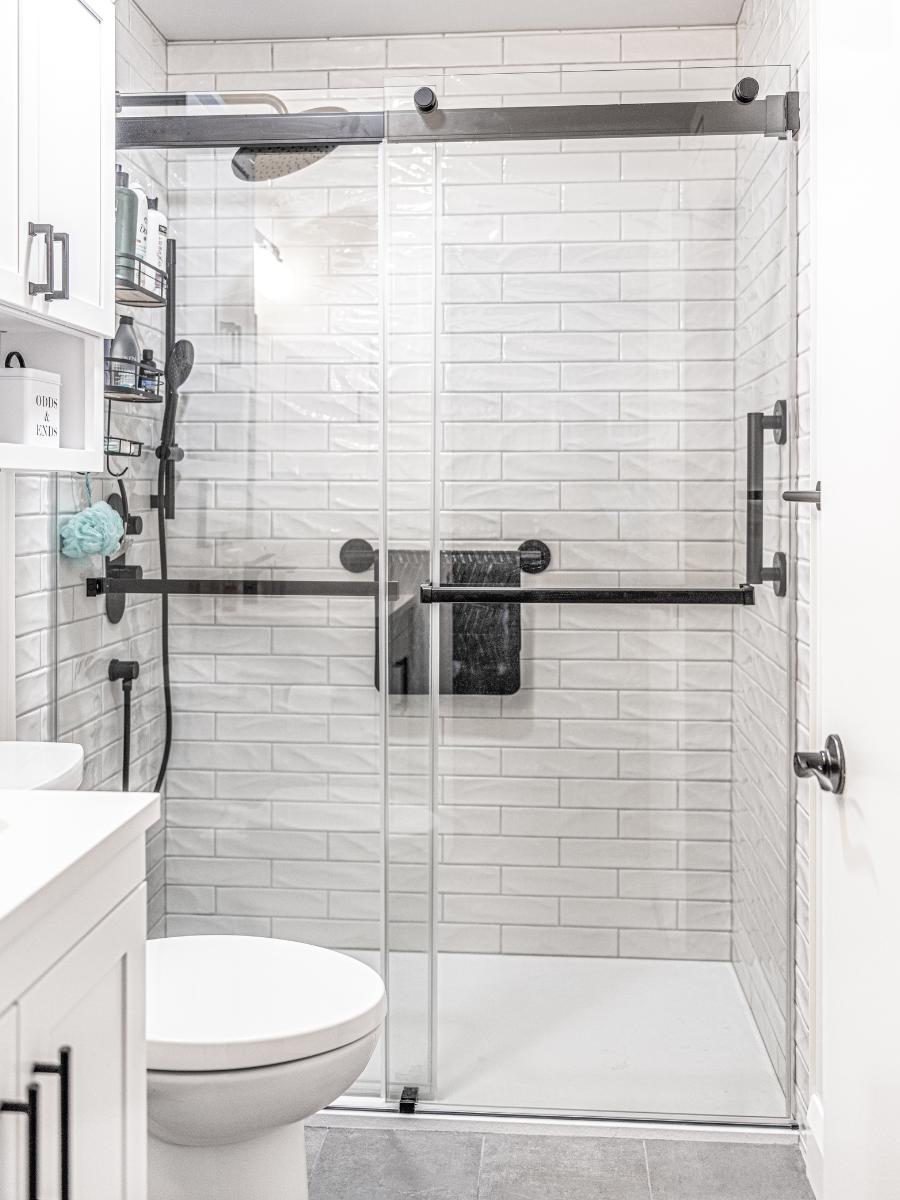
231, 1003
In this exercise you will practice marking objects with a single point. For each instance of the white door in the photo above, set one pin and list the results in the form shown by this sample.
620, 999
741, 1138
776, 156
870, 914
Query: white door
11, 272
856, 256
12, 1125
93, 1002
68, 136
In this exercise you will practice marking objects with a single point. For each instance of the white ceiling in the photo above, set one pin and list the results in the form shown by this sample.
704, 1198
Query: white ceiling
228, 19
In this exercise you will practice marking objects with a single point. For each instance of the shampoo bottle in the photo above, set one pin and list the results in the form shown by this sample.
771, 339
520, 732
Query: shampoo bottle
126, 225
140, 239
148, 377
157, 235
125, 353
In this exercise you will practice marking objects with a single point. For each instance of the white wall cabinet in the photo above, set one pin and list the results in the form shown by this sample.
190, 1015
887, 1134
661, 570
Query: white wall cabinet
66, 159
57, 140
12, 245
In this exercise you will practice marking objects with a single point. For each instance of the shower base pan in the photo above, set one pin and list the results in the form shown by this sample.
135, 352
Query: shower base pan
605, 1037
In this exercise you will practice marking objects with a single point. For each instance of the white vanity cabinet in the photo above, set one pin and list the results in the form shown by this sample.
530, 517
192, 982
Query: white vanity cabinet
85, 1018
73, 1088
9, 1090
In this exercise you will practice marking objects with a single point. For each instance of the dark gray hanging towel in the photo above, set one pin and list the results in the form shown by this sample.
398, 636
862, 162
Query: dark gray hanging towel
480, 643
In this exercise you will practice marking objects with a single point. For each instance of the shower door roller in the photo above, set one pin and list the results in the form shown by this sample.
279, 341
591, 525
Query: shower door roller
828, 765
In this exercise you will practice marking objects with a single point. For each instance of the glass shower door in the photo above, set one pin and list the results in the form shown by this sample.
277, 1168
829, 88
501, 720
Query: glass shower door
275, 786
576, 331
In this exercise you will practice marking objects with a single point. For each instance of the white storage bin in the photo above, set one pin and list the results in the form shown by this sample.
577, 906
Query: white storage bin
29, 404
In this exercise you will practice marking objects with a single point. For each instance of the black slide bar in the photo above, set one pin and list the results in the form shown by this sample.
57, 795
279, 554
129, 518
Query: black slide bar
451, 594
774, 116
237, 587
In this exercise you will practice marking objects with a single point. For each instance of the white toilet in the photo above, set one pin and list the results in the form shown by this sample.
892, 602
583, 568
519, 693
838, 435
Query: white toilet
41, 766
246, 1038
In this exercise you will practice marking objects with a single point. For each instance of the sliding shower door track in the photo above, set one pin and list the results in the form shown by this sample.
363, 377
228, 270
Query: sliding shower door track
770, 116
361, 1109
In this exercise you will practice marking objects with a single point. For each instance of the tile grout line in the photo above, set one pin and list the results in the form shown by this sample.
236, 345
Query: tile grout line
647, 1168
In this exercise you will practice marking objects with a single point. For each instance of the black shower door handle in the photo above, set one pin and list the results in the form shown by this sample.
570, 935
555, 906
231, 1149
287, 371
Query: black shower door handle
757, 425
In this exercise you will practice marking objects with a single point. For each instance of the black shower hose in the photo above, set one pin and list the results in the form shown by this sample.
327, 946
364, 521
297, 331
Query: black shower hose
164, 616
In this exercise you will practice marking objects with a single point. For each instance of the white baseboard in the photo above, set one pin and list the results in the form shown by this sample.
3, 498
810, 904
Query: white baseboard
811, 1141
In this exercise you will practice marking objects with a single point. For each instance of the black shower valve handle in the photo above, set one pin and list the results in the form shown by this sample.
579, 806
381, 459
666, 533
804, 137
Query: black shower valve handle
116, 569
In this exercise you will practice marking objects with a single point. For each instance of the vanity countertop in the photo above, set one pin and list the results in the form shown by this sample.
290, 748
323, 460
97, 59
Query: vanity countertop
51, 842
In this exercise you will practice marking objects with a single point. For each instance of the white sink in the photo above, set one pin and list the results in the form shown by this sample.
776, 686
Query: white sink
30, 766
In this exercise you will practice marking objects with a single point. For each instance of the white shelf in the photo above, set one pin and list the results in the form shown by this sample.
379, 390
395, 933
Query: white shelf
78, 359
44, 458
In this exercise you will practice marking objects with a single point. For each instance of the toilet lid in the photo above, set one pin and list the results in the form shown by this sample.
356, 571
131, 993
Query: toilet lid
222, 1003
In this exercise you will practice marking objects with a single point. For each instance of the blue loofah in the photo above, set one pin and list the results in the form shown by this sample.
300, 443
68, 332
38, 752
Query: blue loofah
95, 530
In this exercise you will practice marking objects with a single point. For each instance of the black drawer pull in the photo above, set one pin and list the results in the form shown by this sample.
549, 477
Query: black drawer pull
30, 1108
63, 1069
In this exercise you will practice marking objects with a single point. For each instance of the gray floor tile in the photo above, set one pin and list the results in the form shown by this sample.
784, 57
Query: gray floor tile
314, 1140
723, 1171
526, 1167
367, 1164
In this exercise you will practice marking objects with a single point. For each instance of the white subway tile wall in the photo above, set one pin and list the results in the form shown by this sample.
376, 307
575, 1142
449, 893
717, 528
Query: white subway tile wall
574, 408
274, 812
64, 642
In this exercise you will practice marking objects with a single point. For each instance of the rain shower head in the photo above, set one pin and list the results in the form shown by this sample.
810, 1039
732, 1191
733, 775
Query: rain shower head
256, 164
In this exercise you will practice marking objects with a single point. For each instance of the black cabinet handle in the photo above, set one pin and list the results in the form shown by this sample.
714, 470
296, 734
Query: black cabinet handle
30, 1108
63, 1069
47, 289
